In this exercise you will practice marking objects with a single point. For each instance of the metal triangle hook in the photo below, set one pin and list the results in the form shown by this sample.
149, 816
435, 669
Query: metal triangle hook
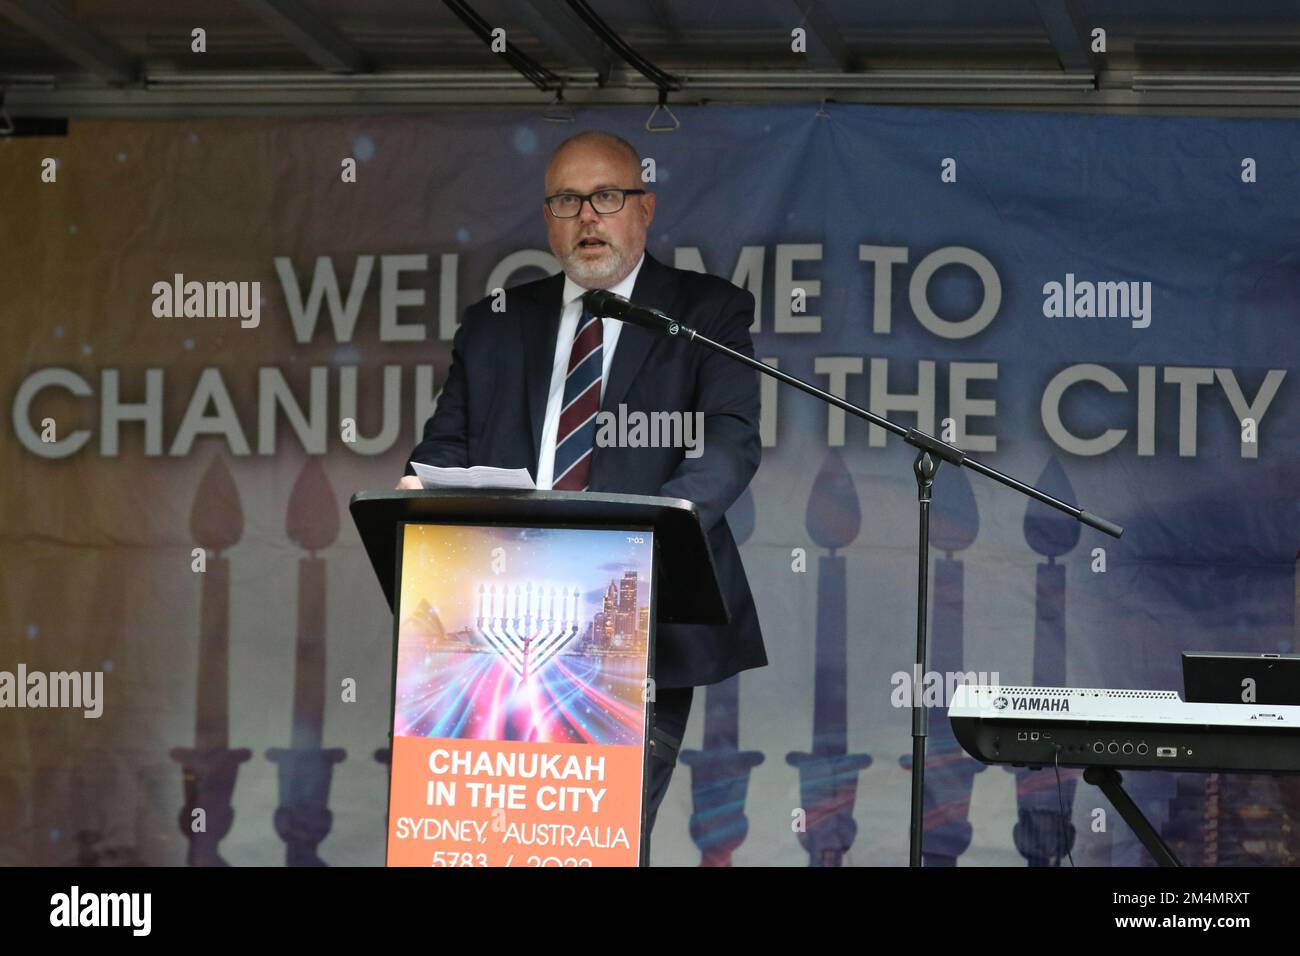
559, 111
662, 105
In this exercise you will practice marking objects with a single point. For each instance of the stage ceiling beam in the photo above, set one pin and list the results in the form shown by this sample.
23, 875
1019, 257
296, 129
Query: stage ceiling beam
51, 23
313, 37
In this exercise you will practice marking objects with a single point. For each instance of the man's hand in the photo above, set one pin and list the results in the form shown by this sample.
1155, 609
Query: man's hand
409, 481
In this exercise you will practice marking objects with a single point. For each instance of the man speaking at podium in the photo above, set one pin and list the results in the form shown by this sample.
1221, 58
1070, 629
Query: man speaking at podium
525, 385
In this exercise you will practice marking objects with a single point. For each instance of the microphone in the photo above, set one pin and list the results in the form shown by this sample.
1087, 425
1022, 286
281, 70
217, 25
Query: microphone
604, 303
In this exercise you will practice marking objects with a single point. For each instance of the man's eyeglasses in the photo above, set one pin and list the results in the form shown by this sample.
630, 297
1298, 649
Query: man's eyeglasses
604, 201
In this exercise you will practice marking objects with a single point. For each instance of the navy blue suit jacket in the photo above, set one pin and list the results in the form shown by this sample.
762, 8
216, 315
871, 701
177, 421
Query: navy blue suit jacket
491, 409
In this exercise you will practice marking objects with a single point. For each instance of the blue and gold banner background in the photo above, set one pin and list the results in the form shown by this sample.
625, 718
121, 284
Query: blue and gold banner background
1103, 305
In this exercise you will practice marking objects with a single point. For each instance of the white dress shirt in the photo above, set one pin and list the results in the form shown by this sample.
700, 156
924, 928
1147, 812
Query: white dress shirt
572, 312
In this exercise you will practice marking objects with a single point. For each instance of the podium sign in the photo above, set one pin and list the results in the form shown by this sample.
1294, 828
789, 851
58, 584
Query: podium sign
520, 717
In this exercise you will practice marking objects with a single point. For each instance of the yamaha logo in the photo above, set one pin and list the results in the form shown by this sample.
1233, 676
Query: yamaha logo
1052, 704
672, 329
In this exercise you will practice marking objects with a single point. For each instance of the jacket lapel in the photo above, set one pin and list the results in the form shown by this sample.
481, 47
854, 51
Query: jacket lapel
541, 325
653, 288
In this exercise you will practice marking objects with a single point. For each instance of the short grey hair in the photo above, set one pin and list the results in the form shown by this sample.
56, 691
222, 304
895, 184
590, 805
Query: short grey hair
603, 138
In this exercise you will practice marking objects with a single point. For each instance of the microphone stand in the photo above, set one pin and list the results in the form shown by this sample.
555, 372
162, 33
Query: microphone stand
931, 453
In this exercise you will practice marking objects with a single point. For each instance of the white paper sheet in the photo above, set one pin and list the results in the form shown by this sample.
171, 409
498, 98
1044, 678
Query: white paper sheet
480, 476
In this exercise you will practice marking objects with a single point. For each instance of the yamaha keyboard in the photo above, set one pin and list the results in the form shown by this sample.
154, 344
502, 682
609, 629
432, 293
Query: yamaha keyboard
1123, 729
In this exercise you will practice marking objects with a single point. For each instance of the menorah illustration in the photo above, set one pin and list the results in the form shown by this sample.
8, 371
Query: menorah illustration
527, 625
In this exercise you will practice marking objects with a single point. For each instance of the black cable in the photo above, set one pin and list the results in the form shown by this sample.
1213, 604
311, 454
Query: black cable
483, 30
534, 72
665, 81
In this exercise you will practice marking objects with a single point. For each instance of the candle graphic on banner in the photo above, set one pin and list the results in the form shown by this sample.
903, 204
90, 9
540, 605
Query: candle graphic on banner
949, 772
303, 819
1043, 833
210, 767
828, 776
720, 771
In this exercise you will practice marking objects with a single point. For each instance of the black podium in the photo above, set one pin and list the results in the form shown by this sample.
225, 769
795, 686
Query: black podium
683, 588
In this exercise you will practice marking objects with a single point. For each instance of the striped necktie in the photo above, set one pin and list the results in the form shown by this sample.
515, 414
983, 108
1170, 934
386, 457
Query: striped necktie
575, 438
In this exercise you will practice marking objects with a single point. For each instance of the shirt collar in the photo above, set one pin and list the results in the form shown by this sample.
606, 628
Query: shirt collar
574, 291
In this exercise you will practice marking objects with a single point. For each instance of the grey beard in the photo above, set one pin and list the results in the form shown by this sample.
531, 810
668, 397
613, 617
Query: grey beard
581, 271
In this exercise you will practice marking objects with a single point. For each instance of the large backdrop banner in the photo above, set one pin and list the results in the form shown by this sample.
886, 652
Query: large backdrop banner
196, 659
